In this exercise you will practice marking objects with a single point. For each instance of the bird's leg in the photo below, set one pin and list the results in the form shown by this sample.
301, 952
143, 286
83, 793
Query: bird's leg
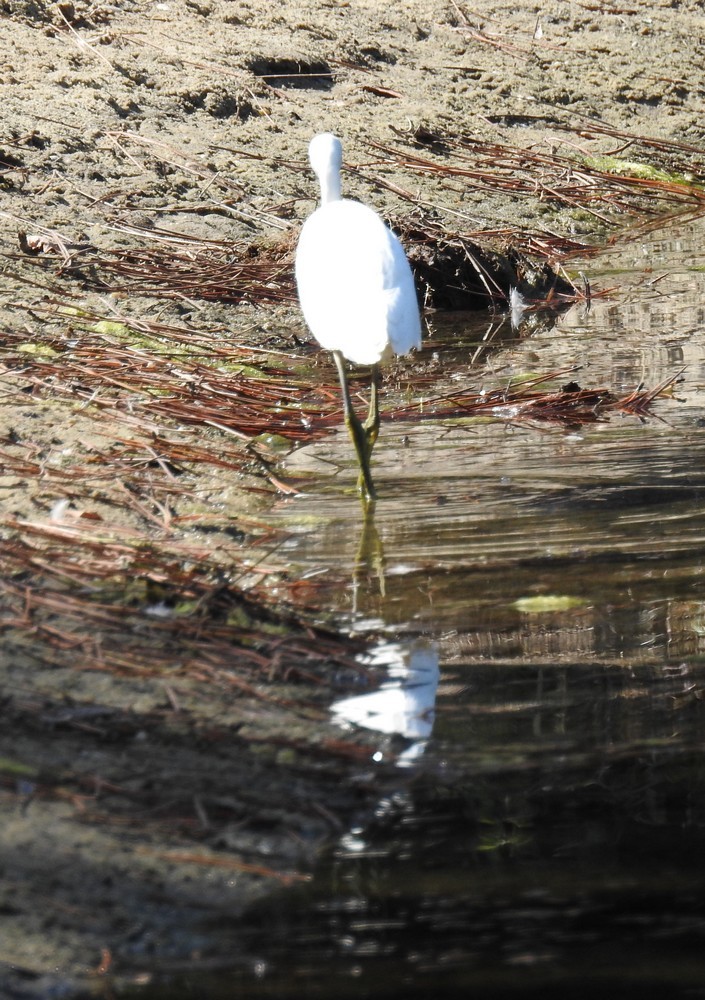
358, 433
371, 425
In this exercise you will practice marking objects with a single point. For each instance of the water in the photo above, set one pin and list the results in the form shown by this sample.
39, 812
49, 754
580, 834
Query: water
476, 514
542, 833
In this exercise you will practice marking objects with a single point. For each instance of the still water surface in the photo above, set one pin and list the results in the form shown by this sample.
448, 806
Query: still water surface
541, 830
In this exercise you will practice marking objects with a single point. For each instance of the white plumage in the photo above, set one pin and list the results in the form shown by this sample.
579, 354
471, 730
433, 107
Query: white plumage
355, 287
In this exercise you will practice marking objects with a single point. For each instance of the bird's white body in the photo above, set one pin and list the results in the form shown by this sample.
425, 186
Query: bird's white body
355, 285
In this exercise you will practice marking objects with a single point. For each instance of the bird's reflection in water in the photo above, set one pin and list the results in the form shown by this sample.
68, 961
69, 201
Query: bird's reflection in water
368, 572
404, 704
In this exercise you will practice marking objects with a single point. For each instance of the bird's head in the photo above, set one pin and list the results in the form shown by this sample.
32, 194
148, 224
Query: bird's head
325, 151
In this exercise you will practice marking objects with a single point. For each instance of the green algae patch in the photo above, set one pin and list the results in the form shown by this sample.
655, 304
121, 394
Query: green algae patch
545, 603
633, 168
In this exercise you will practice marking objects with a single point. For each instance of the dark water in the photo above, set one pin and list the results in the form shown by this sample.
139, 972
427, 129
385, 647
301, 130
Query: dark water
544, 835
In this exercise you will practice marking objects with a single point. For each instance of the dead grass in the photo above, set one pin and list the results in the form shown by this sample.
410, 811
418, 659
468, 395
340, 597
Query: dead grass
639, 177
456, 264
94, 597
525, 400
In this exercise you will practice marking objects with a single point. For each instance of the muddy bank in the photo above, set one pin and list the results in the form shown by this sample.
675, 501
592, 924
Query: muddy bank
183, 113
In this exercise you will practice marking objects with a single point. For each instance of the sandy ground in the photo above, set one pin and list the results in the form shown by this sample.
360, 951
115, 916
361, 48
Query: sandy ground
97, 97
195, 116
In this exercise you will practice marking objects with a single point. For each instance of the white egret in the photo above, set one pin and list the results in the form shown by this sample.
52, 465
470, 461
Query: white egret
356, 291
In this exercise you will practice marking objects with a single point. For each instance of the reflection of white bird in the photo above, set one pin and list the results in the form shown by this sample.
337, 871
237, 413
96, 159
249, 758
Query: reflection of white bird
405, 704
356, 291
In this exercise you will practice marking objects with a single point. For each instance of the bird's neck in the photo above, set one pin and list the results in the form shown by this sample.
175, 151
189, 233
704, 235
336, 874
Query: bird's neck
330, 187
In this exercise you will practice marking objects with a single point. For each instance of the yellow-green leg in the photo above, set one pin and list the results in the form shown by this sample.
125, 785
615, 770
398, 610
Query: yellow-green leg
371, 425
363, 436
